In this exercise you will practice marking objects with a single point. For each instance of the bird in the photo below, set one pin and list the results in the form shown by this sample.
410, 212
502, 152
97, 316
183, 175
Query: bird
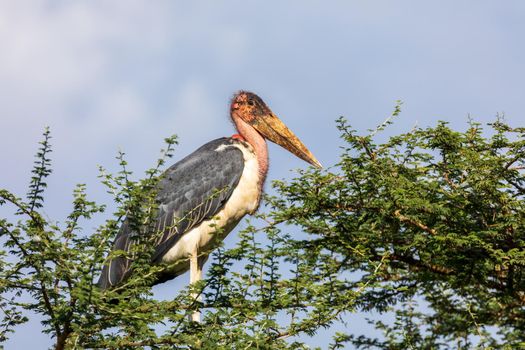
202, 197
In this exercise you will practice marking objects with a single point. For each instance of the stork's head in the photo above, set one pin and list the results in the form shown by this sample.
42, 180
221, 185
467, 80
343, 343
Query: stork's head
251, 109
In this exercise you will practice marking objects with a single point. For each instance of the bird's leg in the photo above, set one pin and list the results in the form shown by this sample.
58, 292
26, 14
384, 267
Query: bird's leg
195, 276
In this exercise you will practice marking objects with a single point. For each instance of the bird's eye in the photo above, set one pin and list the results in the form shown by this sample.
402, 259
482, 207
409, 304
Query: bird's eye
251, 103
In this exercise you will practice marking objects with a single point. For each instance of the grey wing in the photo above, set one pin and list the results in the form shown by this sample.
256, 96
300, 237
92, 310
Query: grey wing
191, 191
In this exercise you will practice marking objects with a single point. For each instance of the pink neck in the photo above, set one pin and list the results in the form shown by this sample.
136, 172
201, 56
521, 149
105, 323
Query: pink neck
258, 143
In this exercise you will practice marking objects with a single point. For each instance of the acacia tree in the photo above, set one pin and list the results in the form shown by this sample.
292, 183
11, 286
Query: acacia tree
428, 226
443, 213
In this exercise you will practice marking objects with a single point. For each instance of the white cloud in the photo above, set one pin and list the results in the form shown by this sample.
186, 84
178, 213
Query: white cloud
61, 65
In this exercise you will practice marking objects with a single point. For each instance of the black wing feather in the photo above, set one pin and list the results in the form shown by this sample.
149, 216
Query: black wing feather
191, 191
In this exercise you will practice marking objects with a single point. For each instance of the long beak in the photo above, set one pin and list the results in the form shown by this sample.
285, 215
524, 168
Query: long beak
274, 130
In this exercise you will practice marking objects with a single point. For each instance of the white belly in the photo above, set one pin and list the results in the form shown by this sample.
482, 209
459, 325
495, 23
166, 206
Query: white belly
206, 236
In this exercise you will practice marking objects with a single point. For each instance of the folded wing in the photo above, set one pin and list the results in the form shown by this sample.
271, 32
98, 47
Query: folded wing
191, 191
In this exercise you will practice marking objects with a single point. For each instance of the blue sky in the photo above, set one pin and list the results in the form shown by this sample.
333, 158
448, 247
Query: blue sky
109, 75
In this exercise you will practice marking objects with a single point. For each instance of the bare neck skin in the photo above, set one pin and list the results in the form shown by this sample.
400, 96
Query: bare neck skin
258, 143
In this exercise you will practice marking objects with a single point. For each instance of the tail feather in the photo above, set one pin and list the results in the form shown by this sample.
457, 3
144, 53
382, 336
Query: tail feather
118, 268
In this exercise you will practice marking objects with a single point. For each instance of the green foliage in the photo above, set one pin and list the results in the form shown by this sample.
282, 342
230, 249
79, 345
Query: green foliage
443, 213
427, 226
41, 170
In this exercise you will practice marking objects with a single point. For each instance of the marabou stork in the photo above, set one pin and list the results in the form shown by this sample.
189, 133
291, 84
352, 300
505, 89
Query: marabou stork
211, 189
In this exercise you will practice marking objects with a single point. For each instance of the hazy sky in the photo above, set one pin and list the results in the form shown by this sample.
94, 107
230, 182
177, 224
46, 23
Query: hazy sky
106, 75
